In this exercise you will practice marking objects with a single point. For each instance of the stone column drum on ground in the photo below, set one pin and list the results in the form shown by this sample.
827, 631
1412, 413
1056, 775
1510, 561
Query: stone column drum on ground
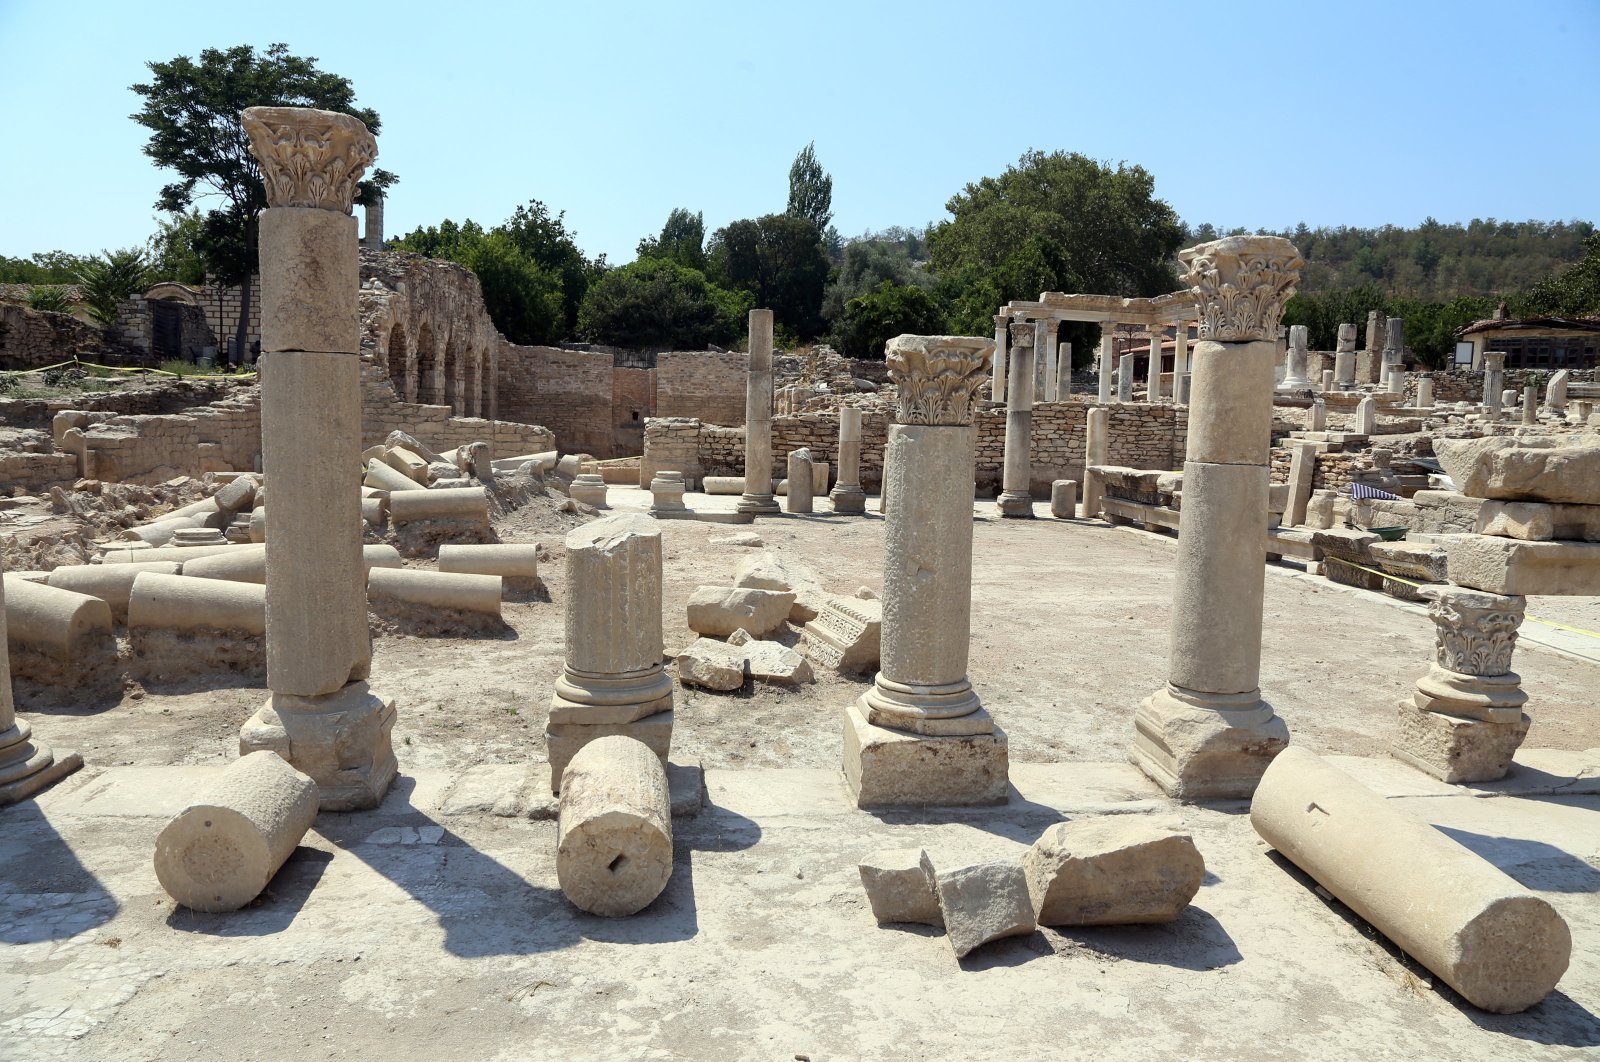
26, 765
1016, 498
1208, 735
757, 496
1499, 945
613, 682
1465, 720
920, 736
322, 718
847, 495
614, 829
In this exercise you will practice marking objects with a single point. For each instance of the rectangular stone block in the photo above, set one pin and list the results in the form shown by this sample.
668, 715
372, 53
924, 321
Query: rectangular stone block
1509, 566
890, 768
563, 740
1454, 749
1448, 512
311, 276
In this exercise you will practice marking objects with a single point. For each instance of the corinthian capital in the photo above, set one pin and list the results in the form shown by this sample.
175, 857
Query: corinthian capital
309, 158
1023, 334
938, 376
1476, 632
1241, 284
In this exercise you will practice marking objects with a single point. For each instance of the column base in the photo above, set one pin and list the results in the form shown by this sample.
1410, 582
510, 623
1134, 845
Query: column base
1457, 749
850, 500
563, 740
890, 768
28, 766
757, 504
1015, 503
341, 740
1206, 747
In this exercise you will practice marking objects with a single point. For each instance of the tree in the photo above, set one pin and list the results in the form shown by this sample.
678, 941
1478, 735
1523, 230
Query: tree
545, 241
524, 299
46, 267
104, 282
179, 248
810, 189
682, 240
867, 263
657, 304
780, 261
1571, 292
1053, 222
886, 311
192, 111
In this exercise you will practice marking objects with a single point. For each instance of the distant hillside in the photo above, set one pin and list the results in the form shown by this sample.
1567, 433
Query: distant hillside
1435, 262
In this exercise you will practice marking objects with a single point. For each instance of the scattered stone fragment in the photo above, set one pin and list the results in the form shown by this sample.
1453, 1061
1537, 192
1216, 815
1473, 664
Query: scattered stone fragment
712, 664
771, 661
1114, 870
980, 901
1523, 469
898, 888
740, 538
719, 610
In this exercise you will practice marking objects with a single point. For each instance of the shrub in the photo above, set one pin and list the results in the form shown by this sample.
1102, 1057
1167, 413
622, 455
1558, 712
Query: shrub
53, 298
886, 311
106, 281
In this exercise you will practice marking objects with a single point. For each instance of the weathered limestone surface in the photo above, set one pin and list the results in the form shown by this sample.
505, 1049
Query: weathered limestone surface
801, 481
1113, 870
721, 610
1520, 469
1509, 566
111, 583
509, 560
711, 664
1444, 512
614, 831
180, 602
440, 590
847, 494
898, 889
26, 765
1499, 945
979, 901
846, 635
1064, 499
220, 852
757, 497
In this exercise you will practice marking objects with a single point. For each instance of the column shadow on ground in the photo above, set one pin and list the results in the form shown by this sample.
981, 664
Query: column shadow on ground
1557, 1020
46, 893
1020, 819
272, 912
1533, 864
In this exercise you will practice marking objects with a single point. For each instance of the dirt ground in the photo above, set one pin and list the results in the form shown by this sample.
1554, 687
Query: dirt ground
433, 927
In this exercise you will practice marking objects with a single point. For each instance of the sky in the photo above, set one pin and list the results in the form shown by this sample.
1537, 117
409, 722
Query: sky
1259, 115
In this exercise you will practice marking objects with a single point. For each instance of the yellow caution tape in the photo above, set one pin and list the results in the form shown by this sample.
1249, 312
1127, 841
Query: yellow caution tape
76, 363
1408, 582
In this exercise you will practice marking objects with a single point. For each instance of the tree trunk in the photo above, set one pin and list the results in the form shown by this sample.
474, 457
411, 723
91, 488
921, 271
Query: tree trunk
241, 334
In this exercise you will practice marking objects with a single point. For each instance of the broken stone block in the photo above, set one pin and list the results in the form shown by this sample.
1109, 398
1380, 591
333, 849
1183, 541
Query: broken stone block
740, 538
766, 571
1510, 566
719, 611
1116, 870
771, 661
980, 902
898, 888
1522, 469
711, 664
847, 635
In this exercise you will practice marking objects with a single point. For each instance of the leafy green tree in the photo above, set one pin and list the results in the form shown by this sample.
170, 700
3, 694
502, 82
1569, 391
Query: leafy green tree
1571, 292
810, 189
866, 264
656, 304
104, 282
545, 241
46, 267
682, 240
179, 247
780, 261
192, 111
524, 299
1053, 222
888, 310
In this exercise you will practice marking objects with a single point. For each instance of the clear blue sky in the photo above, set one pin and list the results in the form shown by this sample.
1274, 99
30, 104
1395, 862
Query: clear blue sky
1253, 114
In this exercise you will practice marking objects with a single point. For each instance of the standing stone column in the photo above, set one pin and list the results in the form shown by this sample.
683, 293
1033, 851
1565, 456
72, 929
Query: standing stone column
847, 495
1425, 392
1319, 415
613, 682
1208, 735
1154, 383
1465, 720
1294, 366
1394, 350
1016, 496
1344, 358
1108, 354
757, 496
372, 233
1064, 372
1494, 376
1180, 364
322, 717
997, 389
920, 735
1366, 418
1052, 380
801, 482
1374, 331
1096, 450
26, 766
1125, 378
1530, 404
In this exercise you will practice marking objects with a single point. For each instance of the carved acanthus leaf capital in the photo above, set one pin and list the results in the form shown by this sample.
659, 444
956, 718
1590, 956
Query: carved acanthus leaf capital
1023, 334
1241, 284
939, 376
1476, 632
309, 158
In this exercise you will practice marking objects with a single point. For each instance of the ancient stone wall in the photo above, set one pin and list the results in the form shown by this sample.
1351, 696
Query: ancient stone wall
171, 395
703, 384
139, 448
1466, 385
567, 391
31, 339
382, 411
29, 461
633, 401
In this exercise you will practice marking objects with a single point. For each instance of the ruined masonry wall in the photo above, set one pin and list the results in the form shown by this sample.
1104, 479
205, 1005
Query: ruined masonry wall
382, 412
566, 391
706, 385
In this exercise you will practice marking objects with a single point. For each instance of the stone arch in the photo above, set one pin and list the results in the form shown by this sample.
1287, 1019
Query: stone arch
421, 374
450, 378
391, 356
474, 403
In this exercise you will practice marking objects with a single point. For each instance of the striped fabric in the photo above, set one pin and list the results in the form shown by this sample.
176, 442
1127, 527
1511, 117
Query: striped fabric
1361, 490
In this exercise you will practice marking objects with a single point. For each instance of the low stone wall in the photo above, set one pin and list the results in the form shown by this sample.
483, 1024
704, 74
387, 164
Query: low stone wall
222, 437
1141, 436
28, 461
383, 412
1466, 385
32, 339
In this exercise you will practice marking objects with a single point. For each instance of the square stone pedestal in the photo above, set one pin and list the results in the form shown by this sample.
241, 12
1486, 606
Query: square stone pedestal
890, 768
27, 767
563, 740
1455, 749
1196, 753
341, 741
